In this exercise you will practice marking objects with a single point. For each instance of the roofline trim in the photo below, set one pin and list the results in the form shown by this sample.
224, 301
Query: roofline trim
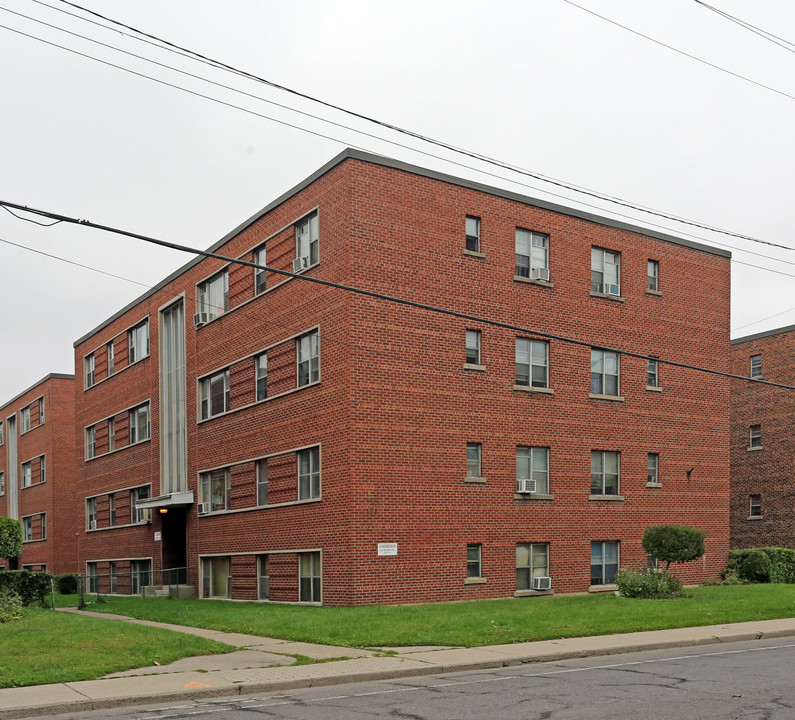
767, 333
51, 376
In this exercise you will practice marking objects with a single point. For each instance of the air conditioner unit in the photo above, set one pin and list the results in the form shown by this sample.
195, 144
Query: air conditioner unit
204, 508
92, 524
146, 515
527, 485
542, 583
300, 263
540, 274
202, 318
611, 289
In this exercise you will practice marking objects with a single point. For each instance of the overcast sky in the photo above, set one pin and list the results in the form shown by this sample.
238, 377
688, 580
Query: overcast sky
542, 85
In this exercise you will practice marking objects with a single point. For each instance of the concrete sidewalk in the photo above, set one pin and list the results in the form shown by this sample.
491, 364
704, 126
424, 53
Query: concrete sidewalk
259, 665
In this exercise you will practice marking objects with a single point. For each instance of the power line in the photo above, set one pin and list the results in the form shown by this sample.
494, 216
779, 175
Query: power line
477, 156
770, 37
384, 297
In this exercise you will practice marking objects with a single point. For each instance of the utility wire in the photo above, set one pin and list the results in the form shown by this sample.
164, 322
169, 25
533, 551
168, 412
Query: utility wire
775, 39
477, 156
384, 297
19, 217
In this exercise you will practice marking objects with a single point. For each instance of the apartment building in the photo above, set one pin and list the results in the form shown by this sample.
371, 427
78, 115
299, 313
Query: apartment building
763, 483
37, 474
289, 441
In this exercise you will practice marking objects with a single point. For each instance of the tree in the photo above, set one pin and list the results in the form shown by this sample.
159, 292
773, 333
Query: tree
10, 538
673, 543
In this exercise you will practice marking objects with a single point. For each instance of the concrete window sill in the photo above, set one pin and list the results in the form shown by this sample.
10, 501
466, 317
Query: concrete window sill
470, 366
475, 581
475, 480
754, 449
755, 517
602, 588
606, 498
532, 496
530, 281
474, 253
614, 298
654, 388
656, 293
528, 389
612, 398
533, 593
653, 485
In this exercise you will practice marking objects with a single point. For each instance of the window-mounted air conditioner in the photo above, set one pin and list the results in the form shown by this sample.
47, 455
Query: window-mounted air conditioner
542, 583
611, 289
526, 485
540, 274
204, 508
202, 318
92, 524
300, 263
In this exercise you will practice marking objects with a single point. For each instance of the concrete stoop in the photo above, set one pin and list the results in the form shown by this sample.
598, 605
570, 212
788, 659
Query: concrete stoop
181, 592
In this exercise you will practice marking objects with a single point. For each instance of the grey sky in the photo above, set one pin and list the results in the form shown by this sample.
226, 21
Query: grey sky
541, 85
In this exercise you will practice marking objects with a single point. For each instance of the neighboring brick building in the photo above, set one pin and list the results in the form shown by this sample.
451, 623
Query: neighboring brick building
37, 473
310, 444
763, 481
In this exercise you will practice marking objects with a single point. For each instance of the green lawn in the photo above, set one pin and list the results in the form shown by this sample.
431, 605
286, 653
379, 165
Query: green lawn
469, 623
51, 647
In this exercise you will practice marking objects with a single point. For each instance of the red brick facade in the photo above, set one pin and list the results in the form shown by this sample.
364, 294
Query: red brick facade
763, 485
38, 473
359, 434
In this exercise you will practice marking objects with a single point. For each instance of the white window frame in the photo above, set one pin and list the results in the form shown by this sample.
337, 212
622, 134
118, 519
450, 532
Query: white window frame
91, 513
307, 358
206, 385
260, 279
309, 487
474, 560
526, 456
111, 357
653, 468
138, 342
261, 376
652, 373
474, 460
27, 528
24, 417
89, 366
653, 275
755, 436
2, 433
111, 434
140, 430
531, 252
263, 577
2, 483
605, 270
41, 410
603, 575
532, 569
212, 294
756, 366
600, 476
310, 577
472, 346
307, 238
755, 505
472, 233
139, 515
210, 489
91, 442
26, 473
529, 363
208, 572
600, 374
262, 482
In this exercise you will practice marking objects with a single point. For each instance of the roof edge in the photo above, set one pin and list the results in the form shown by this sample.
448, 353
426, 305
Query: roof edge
50, 376
766, 333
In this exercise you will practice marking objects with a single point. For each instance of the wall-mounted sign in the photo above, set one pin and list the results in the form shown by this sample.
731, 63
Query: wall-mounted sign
387, 549
157, 537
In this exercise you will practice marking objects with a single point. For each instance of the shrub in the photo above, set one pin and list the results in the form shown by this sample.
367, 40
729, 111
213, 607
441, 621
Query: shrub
752, 565
783, 564
10, 606
647, 583
673, 543
66, 584
10, 537
28, 585
730, 577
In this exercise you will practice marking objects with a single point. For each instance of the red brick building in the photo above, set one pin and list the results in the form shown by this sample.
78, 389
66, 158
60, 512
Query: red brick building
37, 473
763, 484
294, 442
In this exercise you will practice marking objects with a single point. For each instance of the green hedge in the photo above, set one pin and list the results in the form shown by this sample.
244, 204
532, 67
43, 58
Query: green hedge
66, 584
783, 564
30, 586
762, 565
644, 582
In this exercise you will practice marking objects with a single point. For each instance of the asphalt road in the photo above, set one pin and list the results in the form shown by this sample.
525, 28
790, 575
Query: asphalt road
751, 680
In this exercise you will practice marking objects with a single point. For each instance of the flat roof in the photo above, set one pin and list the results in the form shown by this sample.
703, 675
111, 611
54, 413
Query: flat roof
767, 333
51, 376
350, 153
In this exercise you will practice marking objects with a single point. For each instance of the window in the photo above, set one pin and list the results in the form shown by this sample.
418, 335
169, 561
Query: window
2, 483
605, 471
605, 272
653, 468
755, 436
111, 510
27, 474
532, 470
91, 442
261, 370
138, 515
263, 578
41, 411
113, 576
309, 577
88, 370
604, 563
262, 482
212, 296
653, 275
532, 561
215, 489
91, 575
141, 574
307, 239
652, 373
473, 233
91, 513
473, 347
216, 578
2, 433
259, 272
27, 528
214, 394
139, 424
138, 341
308, 358
25, 419
111, 435
532, 255
756, 366
309, 473
473, 460
605, 367
109, 348
43, 468
532, 363
652, 562
756, 506
473, 561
